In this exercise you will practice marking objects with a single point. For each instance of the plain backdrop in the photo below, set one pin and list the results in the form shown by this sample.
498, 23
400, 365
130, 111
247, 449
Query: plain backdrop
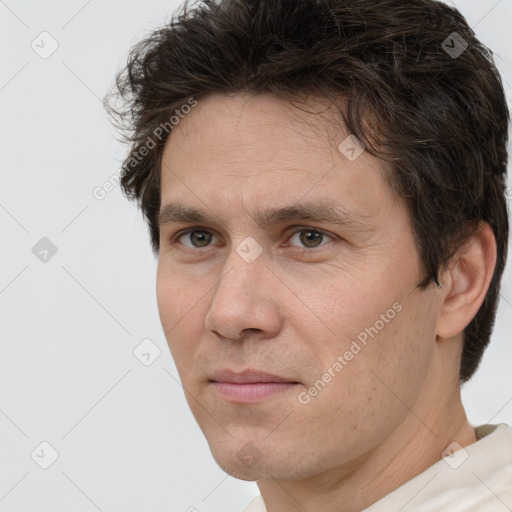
77, 282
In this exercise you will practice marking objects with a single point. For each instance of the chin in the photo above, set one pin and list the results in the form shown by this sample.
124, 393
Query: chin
242, 474
232, 466
250, 464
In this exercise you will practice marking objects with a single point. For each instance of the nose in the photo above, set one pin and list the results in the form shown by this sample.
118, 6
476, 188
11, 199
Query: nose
243, 302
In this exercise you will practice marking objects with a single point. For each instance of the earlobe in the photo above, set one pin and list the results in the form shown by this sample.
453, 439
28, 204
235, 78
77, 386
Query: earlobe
466, 282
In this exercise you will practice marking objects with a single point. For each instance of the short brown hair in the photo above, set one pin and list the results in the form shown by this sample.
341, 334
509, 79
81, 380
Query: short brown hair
439, 117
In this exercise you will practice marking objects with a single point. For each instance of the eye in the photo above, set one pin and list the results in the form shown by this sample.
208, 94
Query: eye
196, 237
311, 238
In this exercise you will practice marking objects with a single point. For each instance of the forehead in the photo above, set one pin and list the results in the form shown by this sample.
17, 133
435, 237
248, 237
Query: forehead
256, 151
241, 121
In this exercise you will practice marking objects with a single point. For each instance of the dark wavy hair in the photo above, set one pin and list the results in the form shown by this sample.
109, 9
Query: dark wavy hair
440, 119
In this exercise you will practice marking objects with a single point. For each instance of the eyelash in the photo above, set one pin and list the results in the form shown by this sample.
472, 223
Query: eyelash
177, 236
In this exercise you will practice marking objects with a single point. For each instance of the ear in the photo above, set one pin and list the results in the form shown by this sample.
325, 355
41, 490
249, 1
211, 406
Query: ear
466, 281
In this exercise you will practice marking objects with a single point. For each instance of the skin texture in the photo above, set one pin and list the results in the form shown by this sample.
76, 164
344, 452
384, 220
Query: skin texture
395, 406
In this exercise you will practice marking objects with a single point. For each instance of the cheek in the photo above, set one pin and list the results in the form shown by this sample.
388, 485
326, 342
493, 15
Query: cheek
177, 294
178, 308
366, 400
346, 311
166, 301
395, 357
375, 340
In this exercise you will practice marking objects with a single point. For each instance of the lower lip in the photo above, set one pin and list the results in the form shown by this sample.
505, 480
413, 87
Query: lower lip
250, 393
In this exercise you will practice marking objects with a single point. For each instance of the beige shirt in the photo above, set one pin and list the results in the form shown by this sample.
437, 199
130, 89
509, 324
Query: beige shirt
477, 478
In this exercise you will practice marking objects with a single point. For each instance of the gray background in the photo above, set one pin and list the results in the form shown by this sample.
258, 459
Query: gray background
125, 438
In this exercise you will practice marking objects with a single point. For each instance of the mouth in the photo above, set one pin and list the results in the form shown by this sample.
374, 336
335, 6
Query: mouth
249, 386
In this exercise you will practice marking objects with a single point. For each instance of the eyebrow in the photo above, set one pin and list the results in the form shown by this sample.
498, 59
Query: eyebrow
328, 211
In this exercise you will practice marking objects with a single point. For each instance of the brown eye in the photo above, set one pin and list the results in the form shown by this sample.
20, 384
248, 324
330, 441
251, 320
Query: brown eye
197, 238
310, 238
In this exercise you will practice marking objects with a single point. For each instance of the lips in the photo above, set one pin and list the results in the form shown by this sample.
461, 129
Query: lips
247, 377
249, 386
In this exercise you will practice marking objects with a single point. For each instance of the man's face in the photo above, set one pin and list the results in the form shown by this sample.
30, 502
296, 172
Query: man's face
331, 307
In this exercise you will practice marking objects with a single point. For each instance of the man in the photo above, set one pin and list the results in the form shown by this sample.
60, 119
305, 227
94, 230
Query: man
324, 184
